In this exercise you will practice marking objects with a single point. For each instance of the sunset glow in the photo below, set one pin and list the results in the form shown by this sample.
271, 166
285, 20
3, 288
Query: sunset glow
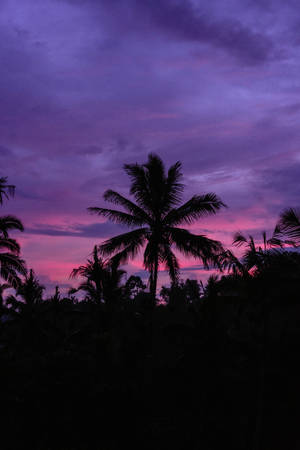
89, 86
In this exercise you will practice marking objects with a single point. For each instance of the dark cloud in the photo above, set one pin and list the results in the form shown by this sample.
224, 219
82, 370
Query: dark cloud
279, 187
5, 152
91, 150
182, 20
97, 230
196, 267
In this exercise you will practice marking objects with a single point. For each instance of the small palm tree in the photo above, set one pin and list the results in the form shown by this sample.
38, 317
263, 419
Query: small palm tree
254, 255
30, 291
157, 215
101, 278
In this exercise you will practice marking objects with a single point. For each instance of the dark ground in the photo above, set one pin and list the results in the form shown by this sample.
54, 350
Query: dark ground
79, 377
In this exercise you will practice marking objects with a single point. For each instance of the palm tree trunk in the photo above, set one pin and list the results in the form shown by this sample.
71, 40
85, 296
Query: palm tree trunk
153, 278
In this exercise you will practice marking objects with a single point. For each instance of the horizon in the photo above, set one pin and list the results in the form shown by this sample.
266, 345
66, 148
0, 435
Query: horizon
88, 87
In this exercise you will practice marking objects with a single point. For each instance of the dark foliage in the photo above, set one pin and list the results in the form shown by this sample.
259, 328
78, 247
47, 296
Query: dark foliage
212, 368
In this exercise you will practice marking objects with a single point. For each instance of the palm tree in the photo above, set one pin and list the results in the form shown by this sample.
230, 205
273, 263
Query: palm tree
254, 255
101, 278
30, 291
157, 214
11, 265
6, 190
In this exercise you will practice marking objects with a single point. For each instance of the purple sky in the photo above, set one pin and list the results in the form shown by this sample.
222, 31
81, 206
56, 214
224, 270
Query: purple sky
87, 86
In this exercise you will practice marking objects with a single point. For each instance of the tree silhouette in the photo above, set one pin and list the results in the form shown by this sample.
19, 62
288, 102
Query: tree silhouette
133, 286
157, 214
11, 265
101, 278
30, 291
56, 298
253, 256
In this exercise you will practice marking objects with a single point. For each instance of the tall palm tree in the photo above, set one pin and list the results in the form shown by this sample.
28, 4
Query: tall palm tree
157, 214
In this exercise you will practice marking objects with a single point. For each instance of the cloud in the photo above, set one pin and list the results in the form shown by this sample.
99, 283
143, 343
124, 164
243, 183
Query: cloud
279, 186
185, 21
87, 86
182, 20
97, 230
5, 153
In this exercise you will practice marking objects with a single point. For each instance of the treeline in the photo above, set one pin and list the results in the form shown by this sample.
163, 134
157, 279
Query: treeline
108, 366
203, 371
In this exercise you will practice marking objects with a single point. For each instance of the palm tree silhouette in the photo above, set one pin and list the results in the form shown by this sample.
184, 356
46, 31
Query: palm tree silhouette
254, 255
30, 291
157, 214
102, 278
11, 265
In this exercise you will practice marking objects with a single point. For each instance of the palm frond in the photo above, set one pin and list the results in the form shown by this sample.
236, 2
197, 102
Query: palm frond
276, 242
79, 271
139, 185
289, 224
10, 260
10, 244
231, 263
239, 239
195, 208
132, 239
131, 207
197, 246
173, 188
118, 217
171, 263
8, 223
11, 267
128, 252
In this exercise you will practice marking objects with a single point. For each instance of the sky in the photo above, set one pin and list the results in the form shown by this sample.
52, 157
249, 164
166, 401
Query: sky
87, 86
